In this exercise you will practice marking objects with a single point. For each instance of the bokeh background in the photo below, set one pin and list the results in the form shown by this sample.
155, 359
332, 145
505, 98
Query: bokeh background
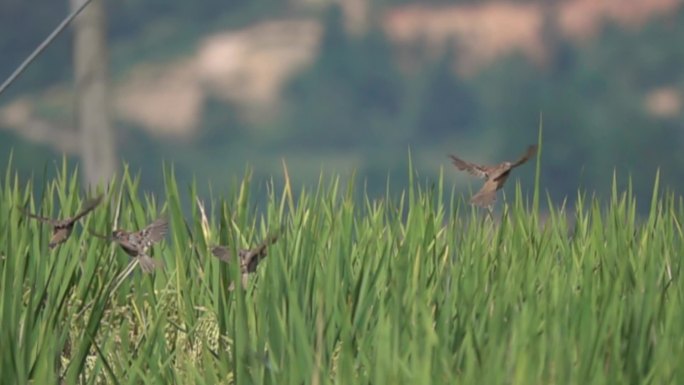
351, 86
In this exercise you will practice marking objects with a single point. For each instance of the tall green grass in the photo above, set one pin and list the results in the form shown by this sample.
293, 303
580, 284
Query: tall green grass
405, 289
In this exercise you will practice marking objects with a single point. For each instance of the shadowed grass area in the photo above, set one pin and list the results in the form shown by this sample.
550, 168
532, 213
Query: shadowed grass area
398, 290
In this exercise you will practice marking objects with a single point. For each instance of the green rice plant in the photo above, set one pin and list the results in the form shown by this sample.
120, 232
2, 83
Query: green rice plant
413, 287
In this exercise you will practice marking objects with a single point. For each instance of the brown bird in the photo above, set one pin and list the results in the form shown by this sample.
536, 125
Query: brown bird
62, 228
248, 258
495, 176
137, 243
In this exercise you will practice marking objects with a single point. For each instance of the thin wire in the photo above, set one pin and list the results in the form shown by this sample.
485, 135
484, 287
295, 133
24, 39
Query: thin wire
42, 46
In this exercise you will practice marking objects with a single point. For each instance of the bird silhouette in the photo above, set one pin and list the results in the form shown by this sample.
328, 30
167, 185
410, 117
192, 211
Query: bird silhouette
62, 228
248, 258
494, 176
137, 243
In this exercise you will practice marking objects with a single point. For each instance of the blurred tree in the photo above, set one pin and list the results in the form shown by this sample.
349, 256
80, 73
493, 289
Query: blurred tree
593, 96
222, 126
449, 104
560, 53
593, 102
352, 91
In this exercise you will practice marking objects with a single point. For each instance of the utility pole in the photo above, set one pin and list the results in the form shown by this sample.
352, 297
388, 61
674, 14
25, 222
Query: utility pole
93, 118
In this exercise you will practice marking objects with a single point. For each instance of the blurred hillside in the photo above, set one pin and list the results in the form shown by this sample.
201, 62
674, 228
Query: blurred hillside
213, 86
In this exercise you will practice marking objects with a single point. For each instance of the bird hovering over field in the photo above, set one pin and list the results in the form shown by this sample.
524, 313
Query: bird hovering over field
62, 228
248, 258
137, 243
494, 176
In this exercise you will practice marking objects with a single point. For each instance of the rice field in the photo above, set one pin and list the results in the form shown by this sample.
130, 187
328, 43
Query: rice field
415, 288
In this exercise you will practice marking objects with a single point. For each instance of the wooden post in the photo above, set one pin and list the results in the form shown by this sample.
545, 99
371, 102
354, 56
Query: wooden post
93, 119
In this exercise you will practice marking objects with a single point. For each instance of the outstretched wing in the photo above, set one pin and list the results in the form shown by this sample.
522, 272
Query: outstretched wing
271, 239
105, 237
37, 217
88, 207
155, 231
531, 150
222, 253
486, 196
250, 258
471, 168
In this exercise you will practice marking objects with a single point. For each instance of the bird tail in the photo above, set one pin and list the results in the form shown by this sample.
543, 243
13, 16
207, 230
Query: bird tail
483, 198
148, 264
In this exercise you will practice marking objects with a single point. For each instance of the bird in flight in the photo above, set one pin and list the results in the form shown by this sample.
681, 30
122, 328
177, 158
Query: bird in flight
62, 228
137, 243
494, 176
248, 258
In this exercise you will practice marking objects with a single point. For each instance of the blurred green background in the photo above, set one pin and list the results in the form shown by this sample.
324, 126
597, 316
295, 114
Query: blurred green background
352, 86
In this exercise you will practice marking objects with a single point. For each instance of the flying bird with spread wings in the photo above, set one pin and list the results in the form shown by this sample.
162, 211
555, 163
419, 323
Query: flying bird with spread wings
248, 258
137, 243
494, 176
62, 228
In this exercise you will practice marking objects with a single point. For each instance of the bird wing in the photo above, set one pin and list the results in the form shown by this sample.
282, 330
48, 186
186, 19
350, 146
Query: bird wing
222, 253
271, 239
250, 258
486, 196
155, 231
87, 207
471, 168
105, 237
38, 217
531, 150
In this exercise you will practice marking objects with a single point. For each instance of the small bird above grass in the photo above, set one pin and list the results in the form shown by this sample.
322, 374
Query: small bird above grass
62, 228
494, 176
137, 243
248, 258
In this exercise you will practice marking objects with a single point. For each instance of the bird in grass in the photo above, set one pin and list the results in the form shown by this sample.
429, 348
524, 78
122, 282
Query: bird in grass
494, 176
137, 243
62, 228
248, 258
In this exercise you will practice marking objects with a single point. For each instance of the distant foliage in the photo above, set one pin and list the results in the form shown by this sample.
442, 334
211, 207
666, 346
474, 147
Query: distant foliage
592, 98
449, 106
356, 98
352, 89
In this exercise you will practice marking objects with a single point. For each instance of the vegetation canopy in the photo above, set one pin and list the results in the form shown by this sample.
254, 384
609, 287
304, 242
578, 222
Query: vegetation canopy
415, 288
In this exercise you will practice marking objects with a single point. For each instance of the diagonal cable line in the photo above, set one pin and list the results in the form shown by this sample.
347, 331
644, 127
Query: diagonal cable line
42, 46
